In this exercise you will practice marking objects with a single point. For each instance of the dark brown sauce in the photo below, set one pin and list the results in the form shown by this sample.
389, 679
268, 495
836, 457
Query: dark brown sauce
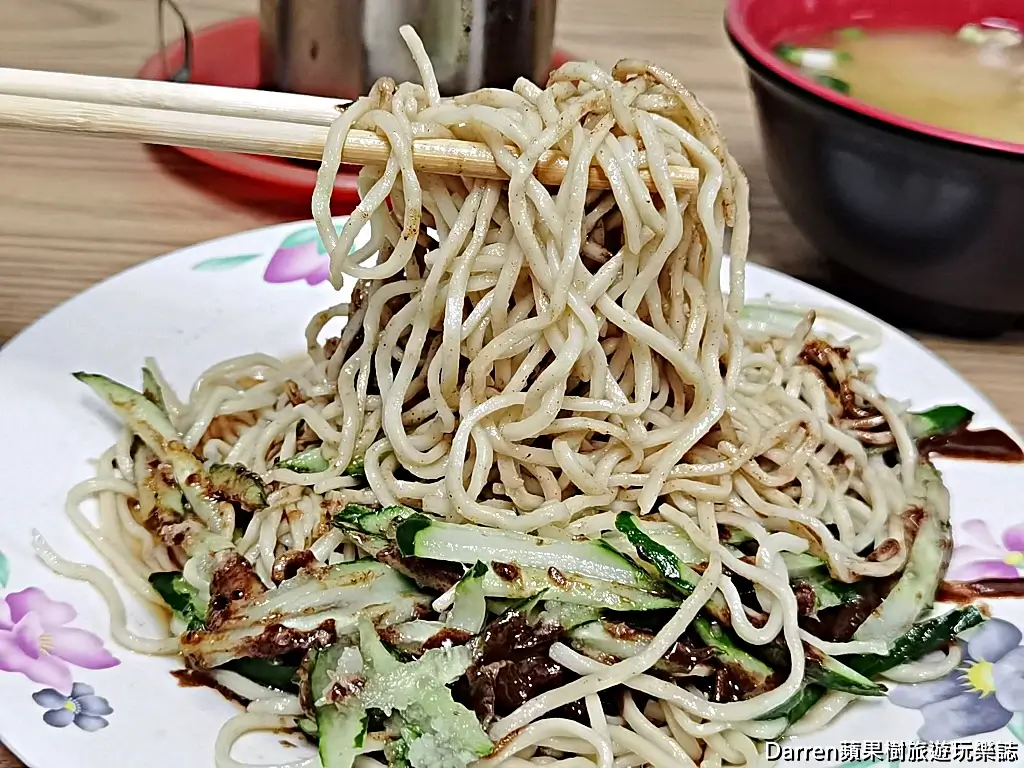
730, 687
980, 445
447, 637
505, 571
838, 624
196, 678
964, 592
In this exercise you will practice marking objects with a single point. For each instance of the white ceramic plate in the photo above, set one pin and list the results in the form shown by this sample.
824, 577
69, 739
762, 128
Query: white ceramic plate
70, 695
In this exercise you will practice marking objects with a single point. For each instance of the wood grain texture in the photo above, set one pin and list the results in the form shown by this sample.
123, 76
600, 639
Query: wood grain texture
76, 210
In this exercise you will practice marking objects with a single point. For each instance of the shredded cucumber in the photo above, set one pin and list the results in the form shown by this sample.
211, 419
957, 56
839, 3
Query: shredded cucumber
469, 612
929, 555
575, 589
152, 426
340, 726
309, 461
940, 420
420, 536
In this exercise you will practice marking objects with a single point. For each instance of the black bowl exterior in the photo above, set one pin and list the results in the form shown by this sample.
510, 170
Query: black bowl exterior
922, 217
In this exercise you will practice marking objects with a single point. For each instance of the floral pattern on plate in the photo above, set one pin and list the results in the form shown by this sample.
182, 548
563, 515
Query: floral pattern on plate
982, 695
36, 641
82, 707
978, 554
300, 256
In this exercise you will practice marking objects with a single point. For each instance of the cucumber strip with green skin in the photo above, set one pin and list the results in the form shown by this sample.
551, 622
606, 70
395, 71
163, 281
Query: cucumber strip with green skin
822, 669
469, 611
338, 585
926, 564
575, 589
340, 733
312, 460
920, 639
726, 651
269, 673
356, 468
594, 640
714, 635
168, 501
371, 545
216, 648
409, 637
569, 616
241, 486
340, 728
181, 597
151, 424
798, 705
941, 420
416, 697
734, 536
802, 564
676, 573
667, 562
343, 594
162, 507
665, 534
141, 414
836, 676
309, 461
828, 593
420, 536
527, 607
768, 319
931, 635
151, 389
375, 522
569, 588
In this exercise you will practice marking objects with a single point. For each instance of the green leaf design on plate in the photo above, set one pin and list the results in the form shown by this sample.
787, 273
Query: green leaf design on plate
1016, 727
303, 236
321, 249
308, 235
219, 263
5, 570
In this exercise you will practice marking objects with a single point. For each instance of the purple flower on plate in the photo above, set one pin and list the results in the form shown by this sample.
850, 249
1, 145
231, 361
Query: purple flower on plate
300, 256
977, 554
83, 708
36, 642
981, 696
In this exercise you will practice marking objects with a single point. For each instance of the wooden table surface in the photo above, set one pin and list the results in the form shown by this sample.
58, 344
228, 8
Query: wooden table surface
74, 211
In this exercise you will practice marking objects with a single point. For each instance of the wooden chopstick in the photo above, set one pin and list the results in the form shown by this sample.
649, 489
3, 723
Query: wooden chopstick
241, 120
176, 97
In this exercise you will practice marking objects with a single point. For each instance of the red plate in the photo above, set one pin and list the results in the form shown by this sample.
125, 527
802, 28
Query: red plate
228, 54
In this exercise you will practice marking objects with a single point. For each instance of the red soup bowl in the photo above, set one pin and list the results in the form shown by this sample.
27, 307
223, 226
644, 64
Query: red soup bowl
922, 225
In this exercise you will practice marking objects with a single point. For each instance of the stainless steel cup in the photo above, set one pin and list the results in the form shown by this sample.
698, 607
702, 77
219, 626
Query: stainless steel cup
340, 48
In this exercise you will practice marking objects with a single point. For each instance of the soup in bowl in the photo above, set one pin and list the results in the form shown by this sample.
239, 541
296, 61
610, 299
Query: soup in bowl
970, 80
894, 137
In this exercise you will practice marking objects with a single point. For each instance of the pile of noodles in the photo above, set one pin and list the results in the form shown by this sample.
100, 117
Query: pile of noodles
538, 360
